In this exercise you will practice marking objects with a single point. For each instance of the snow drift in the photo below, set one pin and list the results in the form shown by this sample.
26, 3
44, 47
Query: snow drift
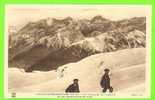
127, 69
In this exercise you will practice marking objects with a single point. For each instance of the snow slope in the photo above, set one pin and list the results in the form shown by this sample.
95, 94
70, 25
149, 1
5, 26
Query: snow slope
127, 74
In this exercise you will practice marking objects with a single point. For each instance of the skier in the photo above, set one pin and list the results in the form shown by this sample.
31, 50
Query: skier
105, 81
73, 87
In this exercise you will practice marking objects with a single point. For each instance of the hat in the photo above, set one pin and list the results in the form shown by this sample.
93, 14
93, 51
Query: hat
75, 80
106, 69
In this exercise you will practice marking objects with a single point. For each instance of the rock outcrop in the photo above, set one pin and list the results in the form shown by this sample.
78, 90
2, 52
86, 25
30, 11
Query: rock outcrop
49, 43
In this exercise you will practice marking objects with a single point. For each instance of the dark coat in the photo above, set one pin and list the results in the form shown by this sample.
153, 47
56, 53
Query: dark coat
105, 81
73, 88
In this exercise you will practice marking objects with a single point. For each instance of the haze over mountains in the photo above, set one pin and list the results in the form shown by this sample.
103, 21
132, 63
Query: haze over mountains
49, 43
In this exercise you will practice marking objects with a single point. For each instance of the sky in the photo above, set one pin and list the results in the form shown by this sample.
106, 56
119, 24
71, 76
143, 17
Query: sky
19, 15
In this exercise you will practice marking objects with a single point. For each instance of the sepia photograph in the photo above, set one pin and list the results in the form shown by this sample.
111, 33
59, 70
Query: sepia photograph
77, 51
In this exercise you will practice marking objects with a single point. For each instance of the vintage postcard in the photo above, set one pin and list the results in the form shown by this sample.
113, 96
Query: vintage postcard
87, 51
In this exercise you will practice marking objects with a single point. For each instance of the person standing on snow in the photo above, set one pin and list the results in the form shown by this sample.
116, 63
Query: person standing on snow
73, 87
105, 81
